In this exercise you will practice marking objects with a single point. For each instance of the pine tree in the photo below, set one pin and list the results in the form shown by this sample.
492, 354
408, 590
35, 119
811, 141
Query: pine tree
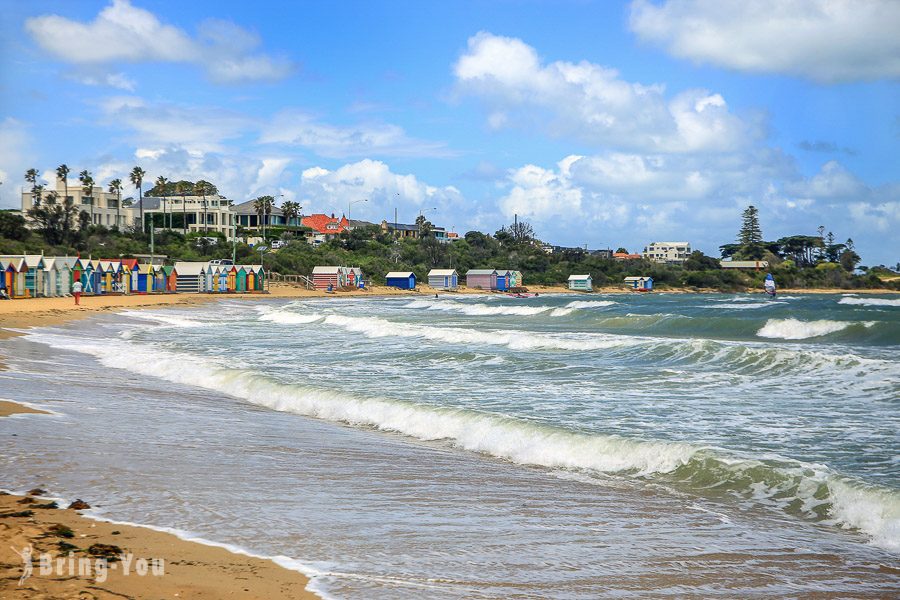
750, 237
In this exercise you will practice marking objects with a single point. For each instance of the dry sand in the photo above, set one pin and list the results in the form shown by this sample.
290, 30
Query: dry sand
190, 570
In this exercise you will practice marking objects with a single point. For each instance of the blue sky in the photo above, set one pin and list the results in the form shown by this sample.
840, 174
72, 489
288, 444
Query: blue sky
601, 123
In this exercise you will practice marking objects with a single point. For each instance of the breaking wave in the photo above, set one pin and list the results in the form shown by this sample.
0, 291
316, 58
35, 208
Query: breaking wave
855, 300
805, 490
794, 329
484, 310
165, 319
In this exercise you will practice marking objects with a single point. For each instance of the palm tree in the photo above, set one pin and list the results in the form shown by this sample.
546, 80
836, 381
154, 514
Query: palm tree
87, 188
137, 179
201, 188
263, 206
31, 176
162, 183
290, 210
181, 188
62, 172
115, 187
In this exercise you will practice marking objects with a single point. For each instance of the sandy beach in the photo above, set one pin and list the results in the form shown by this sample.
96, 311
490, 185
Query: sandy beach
189, 570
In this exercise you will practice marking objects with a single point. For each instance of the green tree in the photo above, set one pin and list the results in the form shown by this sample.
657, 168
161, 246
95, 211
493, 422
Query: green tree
162, 184
12, 226
849, 259
202, 188
181, 189
115, 187
137, 180
750, 236
31, 176
290, 210
62, 172
263, 207
54, 219
87, 189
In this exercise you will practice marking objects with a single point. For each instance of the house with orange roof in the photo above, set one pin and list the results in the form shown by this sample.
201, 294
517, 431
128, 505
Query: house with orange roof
324, 227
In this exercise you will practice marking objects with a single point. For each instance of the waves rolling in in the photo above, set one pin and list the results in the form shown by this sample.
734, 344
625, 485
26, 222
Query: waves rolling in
795, 329
855, 301
807, 490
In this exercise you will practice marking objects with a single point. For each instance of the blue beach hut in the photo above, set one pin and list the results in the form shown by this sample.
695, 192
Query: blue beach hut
404, 280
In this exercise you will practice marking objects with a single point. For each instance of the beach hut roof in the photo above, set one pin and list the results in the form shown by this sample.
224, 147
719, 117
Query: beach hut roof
17, 264
255, 268
399, 274
579, 277
326, 270
168, 270
481, 272
441, 272
633, 279
191, 268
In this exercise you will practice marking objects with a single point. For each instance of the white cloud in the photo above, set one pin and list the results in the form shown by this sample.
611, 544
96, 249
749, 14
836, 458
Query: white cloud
297, 128
119, 81
124, 33
328, 191
824, 40
15, 158
159, 124
832, 182
593, 103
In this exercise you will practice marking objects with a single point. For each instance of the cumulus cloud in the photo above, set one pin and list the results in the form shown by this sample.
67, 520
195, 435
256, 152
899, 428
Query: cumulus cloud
329, 190
832, 182
122, 33
593, 103
297, 128
828, 41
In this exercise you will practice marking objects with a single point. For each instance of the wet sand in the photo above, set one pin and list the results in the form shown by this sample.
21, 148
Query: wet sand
189, 570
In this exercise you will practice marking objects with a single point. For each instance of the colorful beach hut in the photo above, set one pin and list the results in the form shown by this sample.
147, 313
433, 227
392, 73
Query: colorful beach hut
259, 278
404, 280
14, 276
322, 277
482, 279
639, 284
222, 275
191, 277
581, 283
516, 279
443, 279
171, 279
240, 278
57, 277
503, 280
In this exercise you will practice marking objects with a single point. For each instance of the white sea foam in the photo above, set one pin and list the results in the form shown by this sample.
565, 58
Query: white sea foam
875, 511
794, 329
524, 310
170, 319
375, 327
290, 318
869, 301
741, 305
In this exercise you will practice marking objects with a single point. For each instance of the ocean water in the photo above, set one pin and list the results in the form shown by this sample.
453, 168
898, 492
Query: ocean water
489, 447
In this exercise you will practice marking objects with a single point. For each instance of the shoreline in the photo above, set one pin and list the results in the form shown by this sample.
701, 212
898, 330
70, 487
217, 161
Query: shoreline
40, 312
190, 569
